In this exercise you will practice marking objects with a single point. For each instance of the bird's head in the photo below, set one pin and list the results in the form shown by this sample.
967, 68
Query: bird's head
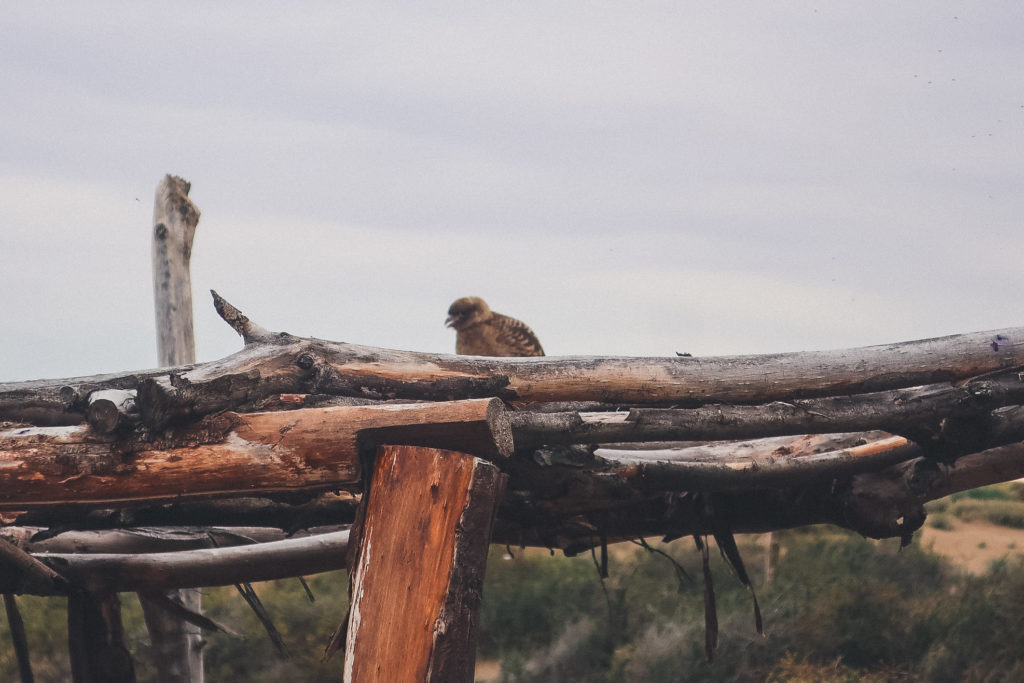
467, 311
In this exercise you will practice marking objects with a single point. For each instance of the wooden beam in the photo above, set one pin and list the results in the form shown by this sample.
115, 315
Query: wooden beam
283, 364
915, 412
419, 574
231, 453
324, 509
109, 572
137, 541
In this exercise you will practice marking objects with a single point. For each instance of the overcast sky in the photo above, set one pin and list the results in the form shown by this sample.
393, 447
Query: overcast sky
628, 178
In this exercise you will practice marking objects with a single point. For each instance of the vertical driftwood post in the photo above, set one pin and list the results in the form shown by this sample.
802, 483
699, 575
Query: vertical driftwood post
177, 645
418, 578
175, 218
96, 636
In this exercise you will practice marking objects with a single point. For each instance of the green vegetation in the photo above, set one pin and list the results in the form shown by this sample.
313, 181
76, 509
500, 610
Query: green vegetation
1005, 491
1001, 504
306, 628
998, 511
840, 609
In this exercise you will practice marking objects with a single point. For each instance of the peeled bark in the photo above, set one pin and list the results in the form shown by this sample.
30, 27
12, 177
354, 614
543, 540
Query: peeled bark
309, 449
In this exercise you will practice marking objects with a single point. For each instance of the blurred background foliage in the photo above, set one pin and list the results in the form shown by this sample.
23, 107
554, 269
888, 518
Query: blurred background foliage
840, 608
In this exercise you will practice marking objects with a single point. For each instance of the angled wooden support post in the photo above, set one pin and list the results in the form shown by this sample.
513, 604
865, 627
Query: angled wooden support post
418, 577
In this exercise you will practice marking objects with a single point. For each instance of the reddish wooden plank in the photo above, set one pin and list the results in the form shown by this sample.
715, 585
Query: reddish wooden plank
417, 584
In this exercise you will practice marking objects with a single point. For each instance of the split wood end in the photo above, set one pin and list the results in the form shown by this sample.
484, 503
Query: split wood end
239, 322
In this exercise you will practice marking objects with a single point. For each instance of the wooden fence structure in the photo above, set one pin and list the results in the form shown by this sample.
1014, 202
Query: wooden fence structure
402, 467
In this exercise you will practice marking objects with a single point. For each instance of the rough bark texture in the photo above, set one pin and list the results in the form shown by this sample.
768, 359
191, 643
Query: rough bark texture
918, 413
418, 580
568, 488
283, 364
305, 449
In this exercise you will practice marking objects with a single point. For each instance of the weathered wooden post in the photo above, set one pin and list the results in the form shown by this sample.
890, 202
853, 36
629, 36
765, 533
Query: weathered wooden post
96, 637
177, 645
175, 218
419, 574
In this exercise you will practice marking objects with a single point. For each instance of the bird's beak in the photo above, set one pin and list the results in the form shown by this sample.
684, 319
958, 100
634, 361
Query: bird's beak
450, 321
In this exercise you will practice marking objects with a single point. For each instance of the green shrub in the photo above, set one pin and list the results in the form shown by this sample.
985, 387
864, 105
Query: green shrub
992, 492
995, 511
530, 598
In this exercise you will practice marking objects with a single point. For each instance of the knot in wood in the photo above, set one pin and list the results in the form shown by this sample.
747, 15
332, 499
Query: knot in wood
306, 361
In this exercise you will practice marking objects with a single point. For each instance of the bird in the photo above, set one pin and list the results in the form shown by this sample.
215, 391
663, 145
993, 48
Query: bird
482, 332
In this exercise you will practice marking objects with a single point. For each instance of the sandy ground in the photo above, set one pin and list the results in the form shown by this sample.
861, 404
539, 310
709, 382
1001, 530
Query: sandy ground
488, 670
975, 545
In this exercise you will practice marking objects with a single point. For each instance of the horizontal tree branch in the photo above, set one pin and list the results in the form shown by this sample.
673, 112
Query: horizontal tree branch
148, 540
655, 471
206, 567
288, 512
282, 364
914, 412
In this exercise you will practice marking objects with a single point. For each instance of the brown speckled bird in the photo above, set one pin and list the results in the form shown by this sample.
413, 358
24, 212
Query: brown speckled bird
482, 332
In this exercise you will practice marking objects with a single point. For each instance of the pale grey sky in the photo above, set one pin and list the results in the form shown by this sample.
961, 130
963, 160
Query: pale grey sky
629, 178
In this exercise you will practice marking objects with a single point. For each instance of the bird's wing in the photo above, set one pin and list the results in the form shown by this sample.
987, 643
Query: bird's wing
516, 336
